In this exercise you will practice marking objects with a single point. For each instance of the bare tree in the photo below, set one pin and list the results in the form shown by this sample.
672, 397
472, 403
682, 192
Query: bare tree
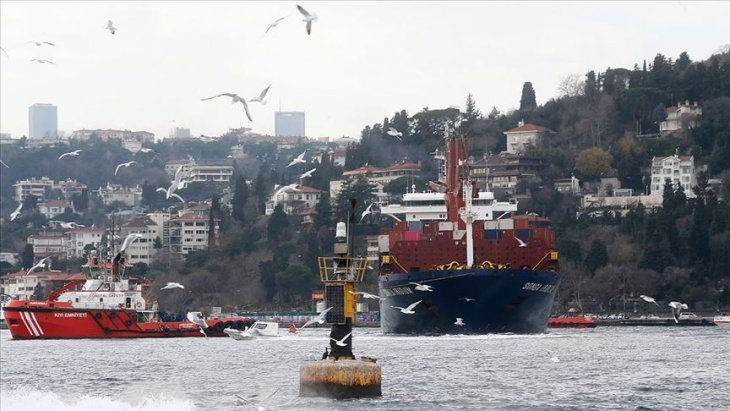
572, 85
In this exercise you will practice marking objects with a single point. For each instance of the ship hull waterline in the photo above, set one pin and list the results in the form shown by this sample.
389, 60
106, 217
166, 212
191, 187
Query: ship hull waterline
487, 300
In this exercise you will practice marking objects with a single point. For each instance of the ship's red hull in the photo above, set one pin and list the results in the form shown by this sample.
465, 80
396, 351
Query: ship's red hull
571, 322
29, 320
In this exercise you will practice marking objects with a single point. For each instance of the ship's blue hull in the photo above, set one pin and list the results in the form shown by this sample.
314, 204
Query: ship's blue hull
487, 301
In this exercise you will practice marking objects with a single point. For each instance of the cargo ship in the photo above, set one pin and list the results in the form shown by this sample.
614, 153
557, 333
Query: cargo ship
107, 304
459, 261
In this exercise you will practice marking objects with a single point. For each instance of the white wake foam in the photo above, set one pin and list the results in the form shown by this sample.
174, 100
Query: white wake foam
34, 400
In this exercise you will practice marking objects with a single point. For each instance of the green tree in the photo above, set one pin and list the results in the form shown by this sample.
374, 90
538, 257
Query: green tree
593, 162
597, 256
527, 101
278, 222
361, 190
27, 256
323, 218
240, 194
157, 244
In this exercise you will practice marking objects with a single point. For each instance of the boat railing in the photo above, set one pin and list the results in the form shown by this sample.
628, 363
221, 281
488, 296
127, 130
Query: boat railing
334, 269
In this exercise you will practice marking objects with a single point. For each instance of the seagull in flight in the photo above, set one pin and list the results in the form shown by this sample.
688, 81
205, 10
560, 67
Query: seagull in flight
129, 240
366, 212
70, 225
422, 287
274, 24
341, 343
298, 159
307, 174
522, 243
110, 27
254, 404
260, 98
308, 18
393, 132
16, 213
409, 309
319, 319
460, 322
41, 61
4, 165
467, 299
171, 285
40, 264
649, 299
235, 98
365, 295
176, 195
70, 153
553, 358
40, 43
677, 308
127, 164
146, 150
194, 317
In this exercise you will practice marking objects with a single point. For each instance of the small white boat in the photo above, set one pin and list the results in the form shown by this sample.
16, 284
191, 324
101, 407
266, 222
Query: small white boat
265, 329
239, 335
723, 320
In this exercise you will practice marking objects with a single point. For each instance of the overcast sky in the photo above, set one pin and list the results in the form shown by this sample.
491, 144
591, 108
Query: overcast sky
363, 62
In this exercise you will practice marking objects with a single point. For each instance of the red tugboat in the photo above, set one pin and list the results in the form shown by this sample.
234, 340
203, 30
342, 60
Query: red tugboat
107, 304
572, 322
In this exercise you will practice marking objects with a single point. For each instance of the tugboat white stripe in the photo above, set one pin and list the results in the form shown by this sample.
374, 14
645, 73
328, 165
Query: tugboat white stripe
35, 320
27, 325
32, 325
22, 318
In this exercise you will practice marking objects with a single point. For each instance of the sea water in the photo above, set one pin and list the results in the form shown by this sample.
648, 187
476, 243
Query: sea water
626, 368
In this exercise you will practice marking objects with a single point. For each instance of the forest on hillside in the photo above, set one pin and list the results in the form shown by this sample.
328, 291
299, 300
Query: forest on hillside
605, 124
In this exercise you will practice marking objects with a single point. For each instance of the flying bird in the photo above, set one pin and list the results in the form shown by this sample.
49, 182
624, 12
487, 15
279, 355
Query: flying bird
365, 295
552, 357
252, 403
522, 243
649, 299
235, 99
40, 43
70, 153
319, 319
298, 159
422, 287
274, 24
307, 174
127, 164
16, 213
176, 195
460, 322
308, 18
40, 264
467, 299
171, 285
260, 98
146, 150
395, 133
341, 343
110, 27
70, 225
41, 61
195, 317
677, 308
4, 165
409, 309
366, 212
129, 240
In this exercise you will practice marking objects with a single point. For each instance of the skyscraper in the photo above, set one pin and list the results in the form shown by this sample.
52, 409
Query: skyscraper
289, 124
43, 121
